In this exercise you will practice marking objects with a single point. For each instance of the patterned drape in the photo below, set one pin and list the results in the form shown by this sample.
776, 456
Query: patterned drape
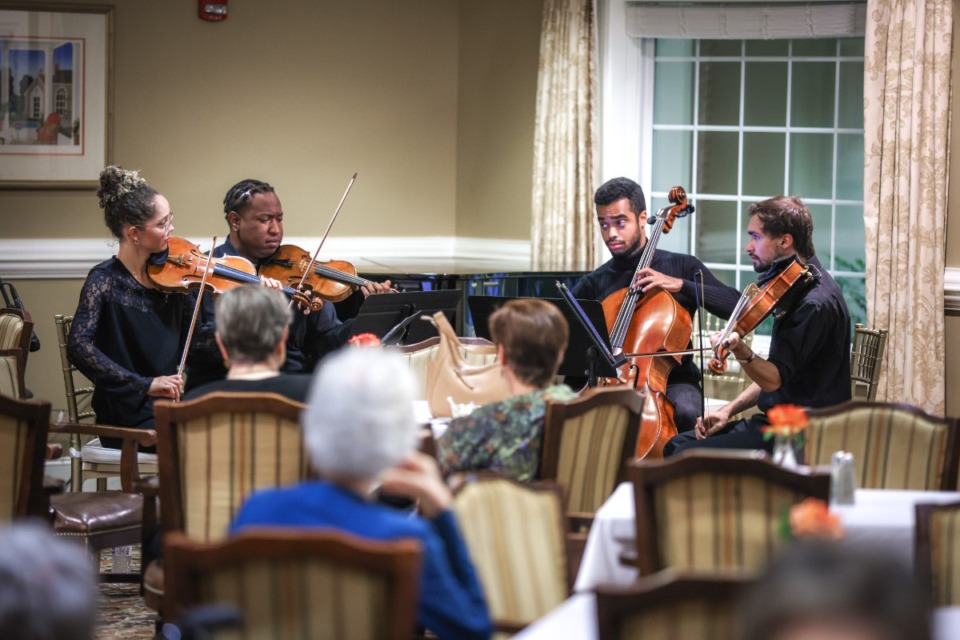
906, 136
564, 227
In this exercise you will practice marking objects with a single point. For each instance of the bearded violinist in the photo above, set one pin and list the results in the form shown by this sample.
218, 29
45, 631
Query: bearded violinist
622, 216
809, 360
254, 217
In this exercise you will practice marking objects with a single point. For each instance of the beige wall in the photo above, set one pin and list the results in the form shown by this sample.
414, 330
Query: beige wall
431, 101
497, 104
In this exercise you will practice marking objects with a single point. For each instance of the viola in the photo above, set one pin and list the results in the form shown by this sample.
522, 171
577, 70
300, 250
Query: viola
646, 323
333, 280
182, 266
788, 276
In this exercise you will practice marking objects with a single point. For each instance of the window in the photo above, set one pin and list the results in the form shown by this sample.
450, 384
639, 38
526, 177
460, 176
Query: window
737, 121
61, 101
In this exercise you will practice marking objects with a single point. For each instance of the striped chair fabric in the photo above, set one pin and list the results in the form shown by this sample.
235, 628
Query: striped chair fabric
515, 537
895, 446
15, 329
671, 606
11, 377
708, 510
476, 351
586, 443
218, 449
937, 551
299, 584
23, 437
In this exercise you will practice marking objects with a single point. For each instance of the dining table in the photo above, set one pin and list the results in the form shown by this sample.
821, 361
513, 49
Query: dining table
880, 519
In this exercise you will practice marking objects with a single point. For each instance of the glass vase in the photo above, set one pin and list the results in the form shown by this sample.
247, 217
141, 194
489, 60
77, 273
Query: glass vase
784, 451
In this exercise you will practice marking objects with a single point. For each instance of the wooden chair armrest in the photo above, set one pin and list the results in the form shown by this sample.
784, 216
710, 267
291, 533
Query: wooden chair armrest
52, 486
132, 440
148, 486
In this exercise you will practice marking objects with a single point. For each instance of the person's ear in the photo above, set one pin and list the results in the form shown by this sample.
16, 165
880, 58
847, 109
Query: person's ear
501, 355
223, 350
233, 220
786, 242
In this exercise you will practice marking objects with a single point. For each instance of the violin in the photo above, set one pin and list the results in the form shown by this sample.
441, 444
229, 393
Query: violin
787, 277
182, 267
647, 323
333, 280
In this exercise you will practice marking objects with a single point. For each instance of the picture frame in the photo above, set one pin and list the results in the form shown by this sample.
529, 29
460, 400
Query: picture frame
54, 135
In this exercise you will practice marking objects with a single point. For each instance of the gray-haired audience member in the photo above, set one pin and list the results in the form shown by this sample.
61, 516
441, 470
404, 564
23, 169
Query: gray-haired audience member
252, 326
360, 433
48, 588
823, 591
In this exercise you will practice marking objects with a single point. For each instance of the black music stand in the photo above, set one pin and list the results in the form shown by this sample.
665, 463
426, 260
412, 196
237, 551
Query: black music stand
395, 317
582, 357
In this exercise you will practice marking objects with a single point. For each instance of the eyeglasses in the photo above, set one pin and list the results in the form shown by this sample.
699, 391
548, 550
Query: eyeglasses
164, 226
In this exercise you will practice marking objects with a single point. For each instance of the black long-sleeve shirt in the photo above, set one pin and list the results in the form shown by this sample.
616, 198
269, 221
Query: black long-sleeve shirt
123, 335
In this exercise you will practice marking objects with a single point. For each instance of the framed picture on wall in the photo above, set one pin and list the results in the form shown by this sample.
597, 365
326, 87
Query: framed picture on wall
55, 92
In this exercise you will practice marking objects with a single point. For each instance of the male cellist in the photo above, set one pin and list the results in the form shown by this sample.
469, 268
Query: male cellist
809, 360
254, 217
622, 216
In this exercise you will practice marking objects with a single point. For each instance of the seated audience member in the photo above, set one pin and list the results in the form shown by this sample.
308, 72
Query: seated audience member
251, 331
823, 591
531, 337
359, 431
48, 587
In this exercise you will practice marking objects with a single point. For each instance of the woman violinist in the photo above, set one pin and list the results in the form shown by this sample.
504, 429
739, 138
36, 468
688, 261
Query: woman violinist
622, 215
255, 220
127, 336
809, 360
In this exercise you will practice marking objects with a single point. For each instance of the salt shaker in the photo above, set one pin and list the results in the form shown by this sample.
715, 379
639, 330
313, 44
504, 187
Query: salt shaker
843, 478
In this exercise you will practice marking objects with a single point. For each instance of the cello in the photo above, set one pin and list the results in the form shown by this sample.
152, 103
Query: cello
642, 324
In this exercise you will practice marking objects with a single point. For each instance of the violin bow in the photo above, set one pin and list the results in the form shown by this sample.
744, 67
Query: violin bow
196, 309
316, 253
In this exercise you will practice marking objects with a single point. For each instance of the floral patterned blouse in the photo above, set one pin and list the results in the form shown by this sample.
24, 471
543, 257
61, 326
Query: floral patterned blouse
504, 436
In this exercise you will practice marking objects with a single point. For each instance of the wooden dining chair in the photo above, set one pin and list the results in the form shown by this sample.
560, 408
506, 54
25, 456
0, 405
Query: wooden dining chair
23, 429
89, 458
586, 443
516, 539
937, 552
707, 510
866, 361
214, 452
291, 583
895, 446
671, 606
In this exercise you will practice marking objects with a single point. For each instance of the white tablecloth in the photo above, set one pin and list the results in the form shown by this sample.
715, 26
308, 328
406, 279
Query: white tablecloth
880, 518
576, 619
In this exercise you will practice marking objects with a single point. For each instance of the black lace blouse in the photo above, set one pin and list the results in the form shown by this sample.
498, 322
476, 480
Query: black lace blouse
123, 335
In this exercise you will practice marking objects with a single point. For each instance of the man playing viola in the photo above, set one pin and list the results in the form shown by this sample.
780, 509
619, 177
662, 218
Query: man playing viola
809, 361
622, 216
255, 219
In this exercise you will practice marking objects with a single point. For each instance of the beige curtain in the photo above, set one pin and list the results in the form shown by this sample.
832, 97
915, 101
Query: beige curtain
906, 136
563, 226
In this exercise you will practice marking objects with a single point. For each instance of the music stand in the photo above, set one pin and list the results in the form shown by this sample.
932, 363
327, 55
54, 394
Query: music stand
395, 317
578, 361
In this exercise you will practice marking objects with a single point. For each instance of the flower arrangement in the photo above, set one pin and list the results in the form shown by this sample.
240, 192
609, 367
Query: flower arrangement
364, 340
812, 518
787, 422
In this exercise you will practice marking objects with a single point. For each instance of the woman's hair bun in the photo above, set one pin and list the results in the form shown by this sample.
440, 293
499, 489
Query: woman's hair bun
116, 182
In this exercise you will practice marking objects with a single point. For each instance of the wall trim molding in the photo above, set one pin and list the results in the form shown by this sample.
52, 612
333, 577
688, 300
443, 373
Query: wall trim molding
57, 258
951, 289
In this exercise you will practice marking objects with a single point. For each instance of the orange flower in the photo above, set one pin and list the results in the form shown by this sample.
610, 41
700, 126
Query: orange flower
786, 420
365, 340
812, 517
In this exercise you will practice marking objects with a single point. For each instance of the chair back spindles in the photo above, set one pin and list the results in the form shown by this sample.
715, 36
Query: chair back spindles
866, 359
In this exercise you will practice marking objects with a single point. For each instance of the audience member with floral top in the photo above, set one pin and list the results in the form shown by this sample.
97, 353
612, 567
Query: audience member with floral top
531, 337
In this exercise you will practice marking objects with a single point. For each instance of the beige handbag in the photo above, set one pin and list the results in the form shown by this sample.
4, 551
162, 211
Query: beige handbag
451, 378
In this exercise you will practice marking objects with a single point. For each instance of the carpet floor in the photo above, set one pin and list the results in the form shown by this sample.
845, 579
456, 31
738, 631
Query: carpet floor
121, 614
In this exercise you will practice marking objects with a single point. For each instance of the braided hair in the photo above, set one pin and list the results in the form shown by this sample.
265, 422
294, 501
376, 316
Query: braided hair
125, 198
240, 194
